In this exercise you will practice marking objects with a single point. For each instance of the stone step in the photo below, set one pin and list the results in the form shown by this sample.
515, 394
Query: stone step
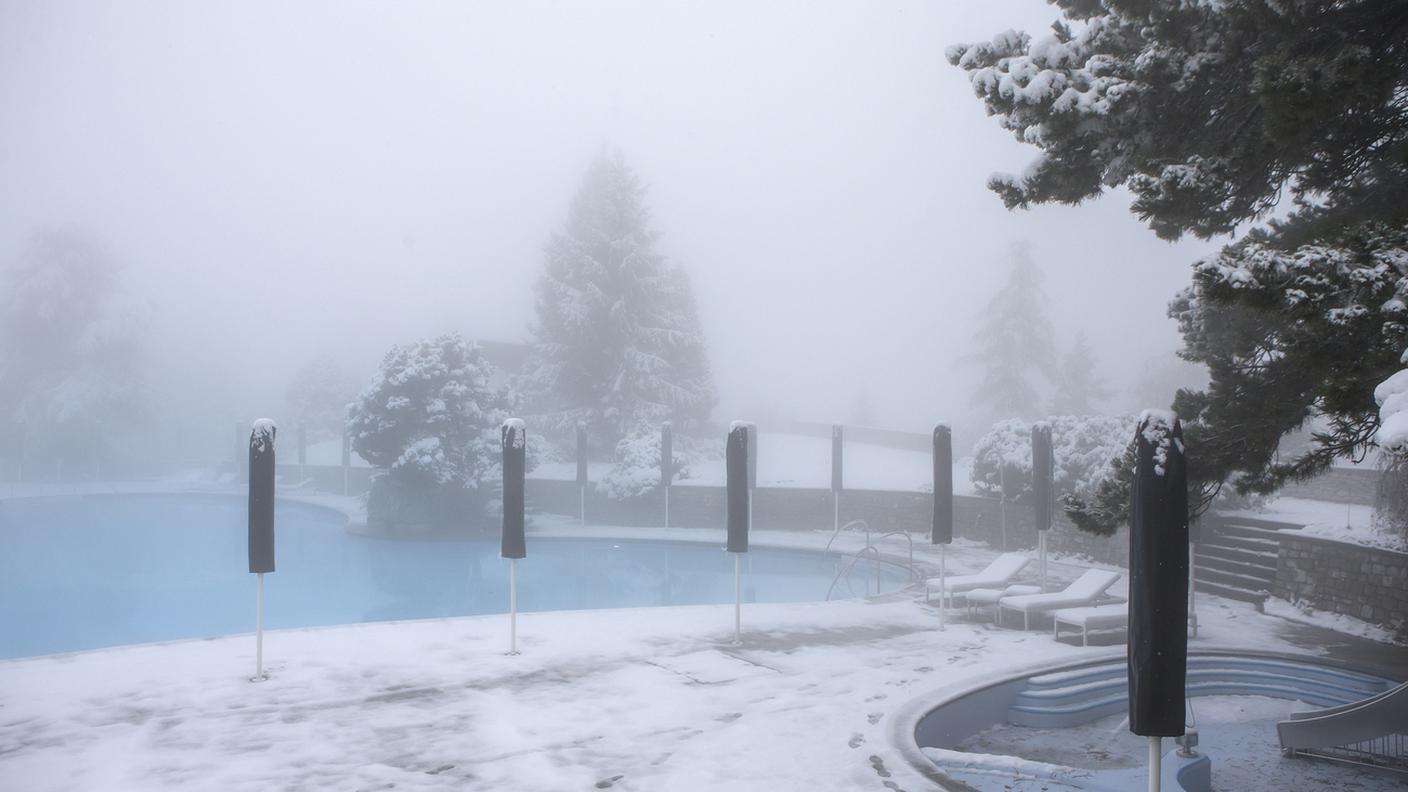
1256, 522
1238, 554
1259, 572
1204, 574
1245, 532
1257, 598
1244, 543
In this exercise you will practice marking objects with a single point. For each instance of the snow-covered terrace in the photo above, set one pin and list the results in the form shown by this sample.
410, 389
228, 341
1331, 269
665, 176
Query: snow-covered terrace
817, 697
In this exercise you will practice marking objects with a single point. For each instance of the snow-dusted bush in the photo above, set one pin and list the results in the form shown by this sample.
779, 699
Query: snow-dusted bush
429, 416
1083, 445
636, 471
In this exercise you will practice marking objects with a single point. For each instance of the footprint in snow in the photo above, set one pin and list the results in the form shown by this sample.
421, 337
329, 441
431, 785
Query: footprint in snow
857, 740
874, 717
608, 782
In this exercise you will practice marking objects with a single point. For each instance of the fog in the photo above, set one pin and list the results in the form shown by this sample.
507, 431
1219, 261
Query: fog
284, 180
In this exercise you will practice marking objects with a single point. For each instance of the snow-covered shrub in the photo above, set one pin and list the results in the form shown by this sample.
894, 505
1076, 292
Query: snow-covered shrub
429, 416
636, 470
1084, 446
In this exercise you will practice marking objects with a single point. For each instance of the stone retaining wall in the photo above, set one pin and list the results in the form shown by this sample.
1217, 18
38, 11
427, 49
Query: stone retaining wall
1363, 582
787, 508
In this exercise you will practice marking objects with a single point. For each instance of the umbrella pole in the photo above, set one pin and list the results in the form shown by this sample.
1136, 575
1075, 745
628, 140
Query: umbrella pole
1156, 755
943, 551
667, 507
513, 606
582, 490
738, 598
1041, 564
1192, 582
258, 628
835, 510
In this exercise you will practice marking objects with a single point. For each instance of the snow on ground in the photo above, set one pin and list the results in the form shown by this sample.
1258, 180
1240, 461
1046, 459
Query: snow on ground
1338, 622
652, 699
1343, 522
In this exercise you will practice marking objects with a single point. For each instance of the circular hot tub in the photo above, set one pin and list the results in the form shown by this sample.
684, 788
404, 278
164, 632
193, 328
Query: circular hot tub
1066, 728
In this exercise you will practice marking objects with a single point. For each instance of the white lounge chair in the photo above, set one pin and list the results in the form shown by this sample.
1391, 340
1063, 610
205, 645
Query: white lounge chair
1087, 589
1112, 616
998, 575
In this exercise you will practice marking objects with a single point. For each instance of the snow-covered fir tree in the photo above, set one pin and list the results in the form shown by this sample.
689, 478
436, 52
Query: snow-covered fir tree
70, 351
429, 417
1012, 345
1079, 389
318, 397
618, 342
1212, 115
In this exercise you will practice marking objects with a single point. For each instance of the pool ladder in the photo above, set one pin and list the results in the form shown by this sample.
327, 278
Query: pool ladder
870, 549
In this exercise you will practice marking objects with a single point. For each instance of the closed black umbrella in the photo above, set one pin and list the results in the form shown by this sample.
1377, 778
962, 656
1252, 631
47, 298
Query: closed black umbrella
736, 468
1043, 490
512, 545
261, 496
582, 469
836, 448
261, 526
1158, 585
941, 532
346, 458
836, 478
667, 464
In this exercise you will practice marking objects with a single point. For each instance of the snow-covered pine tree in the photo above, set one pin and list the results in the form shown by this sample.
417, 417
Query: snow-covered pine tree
1079, 389
318, 397
429, 417
70, 351
1012, 345
618, 339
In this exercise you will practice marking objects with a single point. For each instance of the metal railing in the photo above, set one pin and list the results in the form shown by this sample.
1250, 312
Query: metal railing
870, 547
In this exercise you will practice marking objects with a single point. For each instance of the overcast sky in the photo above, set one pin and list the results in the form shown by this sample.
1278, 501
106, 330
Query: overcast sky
285, 179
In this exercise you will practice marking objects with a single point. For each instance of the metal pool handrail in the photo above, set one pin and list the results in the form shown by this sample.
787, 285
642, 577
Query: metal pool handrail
870, 546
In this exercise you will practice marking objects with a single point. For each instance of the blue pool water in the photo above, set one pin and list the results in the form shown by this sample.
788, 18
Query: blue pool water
82, 572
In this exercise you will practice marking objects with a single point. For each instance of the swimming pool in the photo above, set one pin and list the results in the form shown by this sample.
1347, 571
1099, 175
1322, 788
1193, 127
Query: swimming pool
83, 572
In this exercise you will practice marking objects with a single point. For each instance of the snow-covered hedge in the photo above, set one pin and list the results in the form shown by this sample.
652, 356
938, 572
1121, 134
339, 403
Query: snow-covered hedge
1084, 446
429, 416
